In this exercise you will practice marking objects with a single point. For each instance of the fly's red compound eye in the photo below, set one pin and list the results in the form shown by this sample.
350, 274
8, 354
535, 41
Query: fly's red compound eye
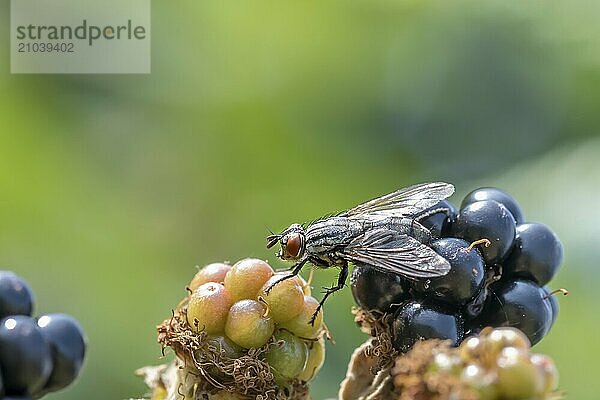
294, 245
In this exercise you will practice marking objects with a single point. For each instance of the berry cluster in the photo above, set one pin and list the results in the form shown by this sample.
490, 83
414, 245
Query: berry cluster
499, 266
37, 356
232, 305
496, 364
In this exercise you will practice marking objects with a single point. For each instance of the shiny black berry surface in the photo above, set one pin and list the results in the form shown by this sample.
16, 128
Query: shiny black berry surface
68, 345
536, 255
491, 193
487, 220
439, 224
25, 356
374, 290
465, 278
418, 321
520, 304
16, 297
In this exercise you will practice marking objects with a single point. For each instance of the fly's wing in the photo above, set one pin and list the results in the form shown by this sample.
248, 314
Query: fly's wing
391, 251
404, 202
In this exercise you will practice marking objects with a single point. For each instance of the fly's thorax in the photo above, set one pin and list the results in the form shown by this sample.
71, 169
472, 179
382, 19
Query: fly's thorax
328, 234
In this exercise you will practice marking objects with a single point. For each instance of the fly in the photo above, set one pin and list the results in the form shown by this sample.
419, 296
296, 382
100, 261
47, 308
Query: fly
384, 233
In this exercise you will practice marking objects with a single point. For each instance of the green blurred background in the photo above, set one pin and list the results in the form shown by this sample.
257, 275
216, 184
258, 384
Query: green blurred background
258, 114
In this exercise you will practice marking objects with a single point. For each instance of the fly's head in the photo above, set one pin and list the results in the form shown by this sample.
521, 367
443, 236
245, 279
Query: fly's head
292, 241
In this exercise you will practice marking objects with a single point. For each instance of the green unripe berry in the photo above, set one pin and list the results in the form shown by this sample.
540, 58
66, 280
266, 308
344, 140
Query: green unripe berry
248, 324
304, 285
471, 349
300, 326
287, 357
548, 368
208, 308
247, 277
518, 377
445, 362
225, 346
486, 347
315, 360
480, 380
285, 299
501, 338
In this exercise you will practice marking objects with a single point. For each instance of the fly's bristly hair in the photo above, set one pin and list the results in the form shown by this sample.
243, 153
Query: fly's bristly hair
322, 218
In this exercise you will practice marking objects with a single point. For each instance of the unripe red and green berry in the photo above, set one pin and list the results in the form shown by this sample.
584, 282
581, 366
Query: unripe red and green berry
285, 299
214, 272
247, 277
208, 308
249, 324
301, 325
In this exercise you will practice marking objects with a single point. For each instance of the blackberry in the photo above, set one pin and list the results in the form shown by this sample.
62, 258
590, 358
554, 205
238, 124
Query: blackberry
374, 290
417, 321
25, 356
491, 193
16, 297
537, 254
520, 304
465, 278
439, 224
489, 220
497, 285
68, 344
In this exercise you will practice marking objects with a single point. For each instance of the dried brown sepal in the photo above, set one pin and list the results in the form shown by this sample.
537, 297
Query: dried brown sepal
205, 370
380, 347
359, 381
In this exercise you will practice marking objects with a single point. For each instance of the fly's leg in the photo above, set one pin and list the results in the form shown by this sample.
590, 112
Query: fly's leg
328, 291
295, 271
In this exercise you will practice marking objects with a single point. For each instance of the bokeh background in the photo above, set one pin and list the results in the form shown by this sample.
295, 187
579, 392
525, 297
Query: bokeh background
258, 114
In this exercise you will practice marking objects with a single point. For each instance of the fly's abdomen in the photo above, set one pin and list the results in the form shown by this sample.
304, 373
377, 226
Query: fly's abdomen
410, 227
